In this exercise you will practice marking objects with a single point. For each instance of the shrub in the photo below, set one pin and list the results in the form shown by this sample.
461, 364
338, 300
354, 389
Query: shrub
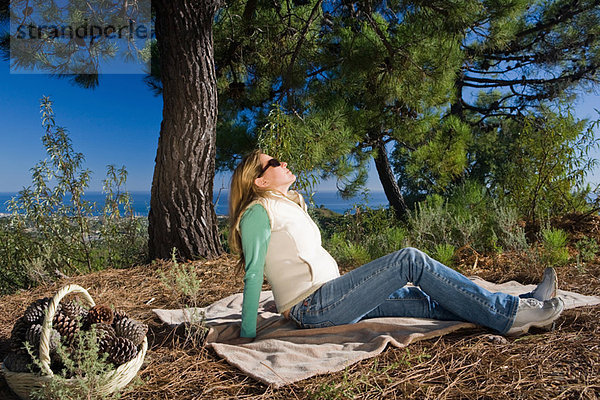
347, 252
58, 215
444, 253
540, 161
53, 230
587, 249
15, 247
468, 216
430, 223
123, 238
355, 239
185, 283
554, 243
507, 233
389, 240
83, 371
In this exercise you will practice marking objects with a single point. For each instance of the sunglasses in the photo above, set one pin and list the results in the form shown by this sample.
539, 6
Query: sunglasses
273, 162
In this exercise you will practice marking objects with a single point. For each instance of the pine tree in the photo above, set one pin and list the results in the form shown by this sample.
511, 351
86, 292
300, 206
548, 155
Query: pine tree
402, 76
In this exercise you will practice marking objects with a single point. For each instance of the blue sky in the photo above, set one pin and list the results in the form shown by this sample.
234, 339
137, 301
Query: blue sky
116, 123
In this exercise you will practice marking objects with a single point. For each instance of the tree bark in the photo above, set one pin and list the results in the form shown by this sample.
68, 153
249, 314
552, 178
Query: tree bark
388, 181
182, 214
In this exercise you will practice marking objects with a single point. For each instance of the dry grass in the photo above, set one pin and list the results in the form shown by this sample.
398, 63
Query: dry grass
469, 364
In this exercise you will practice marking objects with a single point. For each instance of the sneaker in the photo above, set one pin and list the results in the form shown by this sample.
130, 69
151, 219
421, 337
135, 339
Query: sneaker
533, 312
547, 288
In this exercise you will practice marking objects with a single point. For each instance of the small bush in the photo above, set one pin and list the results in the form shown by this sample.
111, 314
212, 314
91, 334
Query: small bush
355, 239
389, 240
122, 239
444, 253
430, 223
468, 216
507, 233
54, 231
83, 371
587, 249
554, 244
183, 280
346, 252
15, 249
185, 283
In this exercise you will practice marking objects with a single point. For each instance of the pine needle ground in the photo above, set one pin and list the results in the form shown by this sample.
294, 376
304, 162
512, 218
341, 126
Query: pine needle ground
468, 364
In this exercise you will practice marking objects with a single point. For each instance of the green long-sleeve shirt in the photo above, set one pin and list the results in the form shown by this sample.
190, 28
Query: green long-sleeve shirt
255, 230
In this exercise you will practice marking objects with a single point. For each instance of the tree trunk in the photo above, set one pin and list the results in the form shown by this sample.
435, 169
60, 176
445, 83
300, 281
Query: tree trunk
182, 215
388, 181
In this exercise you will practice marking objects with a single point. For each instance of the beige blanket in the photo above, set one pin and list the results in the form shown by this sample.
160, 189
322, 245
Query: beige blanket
282, 354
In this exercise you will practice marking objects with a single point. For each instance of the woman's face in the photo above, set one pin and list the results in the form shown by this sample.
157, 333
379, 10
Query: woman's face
275, 178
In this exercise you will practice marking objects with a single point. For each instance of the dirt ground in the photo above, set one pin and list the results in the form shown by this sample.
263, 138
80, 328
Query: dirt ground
469, 364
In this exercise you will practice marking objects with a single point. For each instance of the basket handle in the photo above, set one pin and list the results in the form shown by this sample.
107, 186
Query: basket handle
44, 350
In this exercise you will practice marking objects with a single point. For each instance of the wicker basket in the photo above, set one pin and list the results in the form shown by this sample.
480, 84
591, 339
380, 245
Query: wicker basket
22, 383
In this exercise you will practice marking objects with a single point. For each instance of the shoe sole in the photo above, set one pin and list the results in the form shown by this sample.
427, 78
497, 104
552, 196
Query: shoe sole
546, 324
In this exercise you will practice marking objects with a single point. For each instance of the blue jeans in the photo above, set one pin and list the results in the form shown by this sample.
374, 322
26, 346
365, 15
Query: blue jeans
377, 289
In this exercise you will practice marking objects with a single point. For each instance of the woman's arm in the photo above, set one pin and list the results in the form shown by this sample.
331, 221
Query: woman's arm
255, 230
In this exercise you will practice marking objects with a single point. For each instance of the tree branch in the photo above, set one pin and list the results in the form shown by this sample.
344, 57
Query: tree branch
299, 44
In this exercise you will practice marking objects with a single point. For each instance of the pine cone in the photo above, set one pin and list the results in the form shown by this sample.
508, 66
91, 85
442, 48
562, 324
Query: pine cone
17, 336
104, 344
103, 330
17, 362
34, 334
36, 311
73, 310
118, 315
99, 314
66, 327
121, 350
131, 329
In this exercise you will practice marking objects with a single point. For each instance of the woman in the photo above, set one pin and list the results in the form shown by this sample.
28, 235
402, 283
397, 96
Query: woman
276, 238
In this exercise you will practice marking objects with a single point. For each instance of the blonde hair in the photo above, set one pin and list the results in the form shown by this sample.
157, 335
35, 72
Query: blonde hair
243, 191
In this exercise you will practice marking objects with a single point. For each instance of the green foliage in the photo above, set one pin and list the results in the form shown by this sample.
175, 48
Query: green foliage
386, 241
468, 216
347, 252
554, 242
53, 231
508, 233
587, 249
444, 253
183, 280
185, 283
64, 226
354, 78
539, 163
78, 60
355, 239
16, 247
84, 371
435, 160
123, 239
505, 57
352, 386
284, 134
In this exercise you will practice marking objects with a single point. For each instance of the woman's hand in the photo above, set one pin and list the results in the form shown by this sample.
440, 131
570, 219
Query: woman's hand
238, 340
270, 306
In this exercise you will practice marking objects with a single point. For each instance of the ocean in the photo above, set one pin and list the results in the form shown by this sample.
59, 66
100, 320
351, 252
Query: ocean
141, 201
